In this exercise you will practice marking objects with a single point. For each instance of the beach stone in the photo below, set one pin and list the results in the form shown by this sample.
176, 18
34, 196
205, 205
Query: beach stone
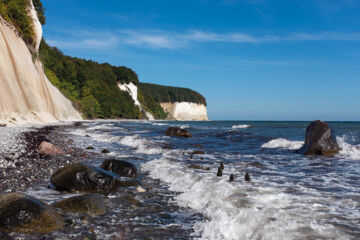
232, 178
93, 204
247, 177
177, 132
320, 139
219, 172
123, 168
196, 166
2, 125
24, 213
85, 178
90, 148
105, 151
49, 149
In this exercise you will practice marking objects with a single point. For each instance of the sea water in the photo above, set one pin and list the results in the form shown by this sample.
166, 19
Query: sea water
290, 196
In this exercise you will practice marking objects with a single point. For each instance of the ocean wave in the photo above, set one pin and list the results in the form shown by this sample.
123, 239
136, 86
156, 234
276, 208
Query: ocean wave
346, 149
259, 210
283, 143
142, 145
160, 124
241, 126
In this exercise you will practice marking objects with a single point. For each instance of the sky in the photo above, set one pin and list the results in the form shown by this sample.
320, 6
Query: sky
251, 59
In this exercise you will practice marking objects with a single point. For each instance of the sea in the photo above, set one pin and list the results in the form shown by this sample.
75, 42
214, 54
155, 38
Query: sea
289, 196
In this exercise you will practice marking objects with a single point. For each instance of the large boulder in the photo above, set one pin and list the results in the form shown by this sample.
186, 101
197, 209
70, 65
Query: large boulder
123, 168
320, 139
93, 204
23, 213
49, 149
177, 132
85, 178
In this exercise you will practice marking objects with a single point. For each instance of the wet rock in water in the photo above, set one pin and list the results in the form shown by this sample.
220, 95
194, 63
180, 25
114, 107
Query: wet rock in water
219, 172
85, 178
105, 151
177, 132
126, 199
87, 135
23, 213
93, 204
4, 236
47, 148
90, 148
123, 168
2, 125
320, 139
232, 178
222, 166
247, 177
198, 152
196, 166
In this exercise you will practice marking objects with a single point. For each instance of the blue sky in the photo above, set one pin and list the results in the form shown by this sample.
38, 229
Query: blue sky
251, 59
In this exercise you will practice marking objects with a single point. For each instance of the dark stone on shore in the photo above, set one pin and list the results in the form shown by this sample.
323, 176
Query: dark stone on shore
320, 139
232, 178
123, 168
4, 236
195, 166
105, 151
198, 152
87, 135
47, 148
219, 172
23, 213
93, 204
247, 177
85, 178
222, 166
177, 132
90, 148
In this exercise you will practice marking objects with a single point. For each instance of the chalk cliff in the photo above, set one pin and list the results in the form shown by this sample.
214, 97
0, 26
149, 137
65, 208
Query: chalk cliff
132, 89
185, 111
26, 95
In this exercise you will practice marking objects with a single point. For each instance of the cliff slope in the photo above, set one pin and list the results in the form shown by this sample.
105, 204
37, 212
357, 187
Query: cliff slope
26, 95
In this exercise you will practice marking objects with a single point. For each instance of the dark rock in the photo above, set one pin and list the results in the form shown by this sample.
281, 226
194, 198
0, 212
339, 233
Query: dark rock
198, 152
49, 149
126, 199
177, 132
90, 148
93, 204
123, 168
23, 213
247, 177
105, 151
219, 172
195, 166
2, 125
4, 236
232, 178
222, 166
87, 135
320, 139
85, 178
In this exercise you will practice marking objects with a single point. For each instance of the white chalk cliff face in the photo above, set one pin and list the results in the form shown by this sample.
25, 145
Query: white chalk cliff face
132, 89
186, 111
26, 95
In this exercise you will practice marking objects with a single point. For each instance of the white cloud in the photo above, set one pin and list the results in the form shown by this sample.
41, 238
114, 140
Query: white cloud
102, 39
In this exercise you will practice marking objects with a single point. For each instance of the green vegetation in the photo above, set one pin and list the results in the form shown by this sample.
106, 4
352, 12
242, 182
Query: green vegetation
40, 11
15, 12
161, 93
92, 87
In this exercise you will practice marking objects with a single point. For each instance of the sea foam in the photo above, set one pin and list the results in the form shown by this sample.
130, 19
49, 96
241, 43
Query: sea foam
283, 143
240, 126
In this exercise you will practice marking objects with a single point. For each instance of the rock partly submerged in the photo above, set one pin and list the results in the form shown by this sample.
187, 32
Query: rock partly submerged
320, 139
23, 213
92, 204
86, 178
122, 168
177, 132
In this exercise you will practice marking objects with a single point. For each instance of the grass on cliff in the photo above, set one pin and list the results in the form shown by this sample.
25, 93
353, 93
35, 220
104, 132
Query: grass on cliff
15, 13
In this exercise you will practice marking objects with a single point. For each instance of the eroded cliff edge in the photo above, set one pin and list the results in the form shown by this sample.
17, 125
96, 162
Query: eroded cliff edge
26, 95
